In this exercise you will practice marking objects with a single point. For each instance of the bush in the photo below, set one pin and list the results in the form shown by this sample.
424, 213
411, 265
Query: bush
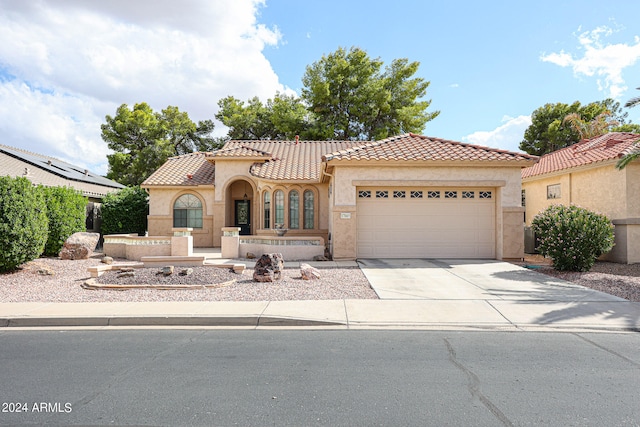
572, 237
125, 211
23, 222
66, 212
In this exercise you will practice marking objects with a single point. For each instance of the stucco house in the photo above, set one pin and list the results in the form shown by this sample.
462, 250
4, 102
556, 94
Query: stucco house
51, 172
405, 196
584, 174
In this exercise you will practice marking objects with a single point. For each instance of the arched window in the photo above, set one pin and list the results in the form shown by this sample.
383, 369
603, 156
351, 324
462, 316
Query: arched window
308, 209
294, 210
278, 199
187, 212
267, 209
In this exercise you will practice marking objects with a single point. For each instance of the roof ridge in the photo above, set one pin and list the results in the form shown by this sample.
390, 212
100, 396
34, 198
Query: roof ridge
32, 153
480, 147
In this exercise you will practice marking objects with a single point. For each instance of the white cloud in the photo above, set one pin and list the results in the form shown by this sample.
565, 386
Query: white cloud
605, 61
71, 62
506, 136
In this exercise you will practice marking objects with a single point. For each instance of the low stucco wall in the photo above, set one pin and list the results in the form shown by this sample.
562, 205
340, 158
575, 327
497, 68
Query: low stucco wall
134, 247
291, 248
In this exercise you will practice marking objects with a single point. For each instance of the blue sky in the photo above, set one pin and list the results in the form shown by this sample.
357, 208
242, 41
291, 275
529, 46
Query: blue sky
490, 64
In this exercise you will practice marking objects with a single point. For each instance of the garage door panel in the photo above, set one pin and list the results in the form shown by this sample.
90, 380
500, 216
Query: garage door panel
426, 228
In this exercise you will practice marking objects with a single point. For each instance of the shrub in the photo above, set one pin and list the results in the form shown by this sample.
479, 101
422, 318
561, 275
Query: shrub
66, 212
23, 222
573, 237
125, 211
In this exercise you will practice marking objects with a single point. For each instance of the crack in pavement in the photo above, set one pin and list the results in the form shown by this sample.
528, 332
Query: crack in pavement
474, 386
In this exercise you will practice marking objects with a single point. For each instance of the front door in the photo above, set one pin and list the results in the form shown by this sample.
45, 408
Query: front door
243, 216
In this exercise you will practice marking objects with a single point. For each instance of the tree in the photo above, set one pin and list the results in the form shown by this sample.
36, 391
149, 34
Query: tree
143, 140
549, 131
635, 154
23, 222
590, 129
352, 99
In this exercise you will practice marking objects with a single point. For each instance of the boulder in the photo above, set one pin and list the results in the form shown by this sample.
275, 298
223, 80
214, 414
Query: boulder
250, 255
186, 272
308, 272
79, 246
168, 270
268, 268
107, 260
320, 258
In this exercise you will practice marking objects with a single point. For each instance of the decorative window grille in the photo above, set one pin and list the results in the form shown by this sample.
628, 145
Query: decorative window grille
450, 194
266, 205
399, 194
364, 194
417, 194
433, 194
382, 194
468, 194
278, 198
309, 213
485, 194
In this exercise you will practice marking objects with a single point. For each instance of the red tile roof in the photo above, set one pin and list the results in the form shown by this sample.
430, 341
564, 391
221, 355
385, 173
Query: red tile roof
605, 147
412, 147
285, 160
188, 169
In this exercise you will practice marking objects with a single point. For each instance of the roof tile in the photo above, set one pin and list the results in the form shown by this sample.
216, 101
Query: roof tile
188, 169
605, 147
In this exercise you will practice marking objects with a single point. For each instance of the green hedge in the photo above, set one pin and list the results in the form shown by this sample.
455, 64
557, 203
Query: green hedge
66, 212
573, 237
125, 211
23, 222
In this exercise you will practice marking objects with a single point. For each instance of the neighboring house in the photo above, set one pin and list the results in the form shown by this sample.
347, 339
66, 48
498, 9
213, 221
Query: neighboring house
584, 174
406, 196
51, 172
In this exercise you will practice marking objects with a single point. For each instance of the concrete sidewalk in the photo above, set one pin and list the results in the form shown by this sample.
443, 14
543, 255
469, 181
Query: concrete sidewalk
426, 294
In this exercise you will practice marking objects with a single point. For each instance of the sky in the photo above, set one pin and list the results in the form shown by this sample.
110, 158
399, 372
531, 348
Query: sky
66, 64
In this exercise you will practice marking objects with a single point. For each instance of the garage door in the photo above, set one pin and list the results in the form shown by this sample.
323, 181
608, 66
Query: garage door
426, 222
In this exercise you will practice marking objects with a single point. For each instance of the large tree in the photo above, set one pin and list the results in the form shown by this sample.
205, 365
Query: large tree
142, 140
549, 131
352, 98
345, 95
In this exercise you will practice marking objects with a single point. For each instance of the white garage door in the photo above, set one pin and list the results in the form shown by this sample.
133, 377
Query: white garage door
426, 223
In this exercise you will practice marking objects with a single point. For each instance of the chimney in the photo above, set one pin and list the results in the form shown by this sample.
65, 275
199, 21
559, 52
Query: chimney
297, 139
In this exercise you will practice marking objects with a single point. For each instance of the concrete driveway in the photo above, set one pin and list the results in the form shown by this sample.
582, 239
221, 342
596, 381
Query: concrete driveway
489, 292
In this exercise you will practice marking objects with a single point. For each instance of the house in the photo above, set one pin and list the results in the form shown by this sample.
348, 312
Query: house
405, 196
51, 172
584, 174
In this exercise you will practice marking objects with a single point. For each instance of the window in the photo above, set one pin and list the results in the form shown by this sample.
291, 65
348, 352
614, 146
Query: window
416, 194
187, 212
309, 218
294, 210
364, 194
468, 194
399, 194
450, 194
433, 194
553, 191
278, 199
485, 194
382, 194
267, 209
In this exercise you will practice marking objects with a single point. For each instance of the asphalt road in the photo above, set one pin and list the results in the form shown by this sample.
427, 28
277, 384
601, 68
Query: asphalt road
318, 377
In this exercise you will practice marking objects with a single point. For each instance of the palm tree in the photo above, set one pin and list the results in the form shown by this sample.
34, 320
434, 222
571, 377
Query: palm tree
635, 154
596, 127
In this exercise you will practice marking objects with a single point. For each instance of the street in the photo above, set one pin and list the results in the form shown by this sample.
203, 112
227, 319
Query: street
318, 377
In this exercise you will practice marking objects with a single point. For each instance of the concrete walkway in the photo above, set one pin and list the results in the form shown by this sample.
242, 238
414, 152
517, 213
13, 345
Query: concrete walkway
426, 294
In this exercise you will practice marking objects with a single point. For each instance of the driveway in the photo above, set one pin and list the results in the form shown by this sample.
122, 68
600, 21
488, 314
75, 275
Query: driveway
486, 293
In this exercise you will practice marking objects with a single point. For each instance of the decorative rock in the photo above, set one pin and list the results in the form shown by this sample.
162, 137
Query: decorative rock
45, 272
251, 255
126, 274
168, 270
126, 269
79, 246
186, 272
268, 268
320, 258
107, 260
308, 272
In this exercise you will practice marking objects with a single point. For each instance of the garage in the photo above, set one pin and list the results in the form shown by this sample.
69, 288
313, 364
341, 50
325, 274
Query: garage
431, 222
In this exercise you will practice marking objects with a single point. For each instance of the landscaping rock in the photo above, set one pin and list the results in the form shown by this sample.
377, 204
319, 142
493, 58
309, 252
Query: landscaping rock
251, 255
320, 258
45, 272
126, 274
168, 270
107, 260
126, 269
308, 272
268, 268
79, 246
186, 272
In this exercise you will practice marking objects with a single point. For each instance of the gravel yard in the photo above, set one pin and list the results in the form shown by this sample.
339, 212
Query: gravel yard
55, 280
32, 284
